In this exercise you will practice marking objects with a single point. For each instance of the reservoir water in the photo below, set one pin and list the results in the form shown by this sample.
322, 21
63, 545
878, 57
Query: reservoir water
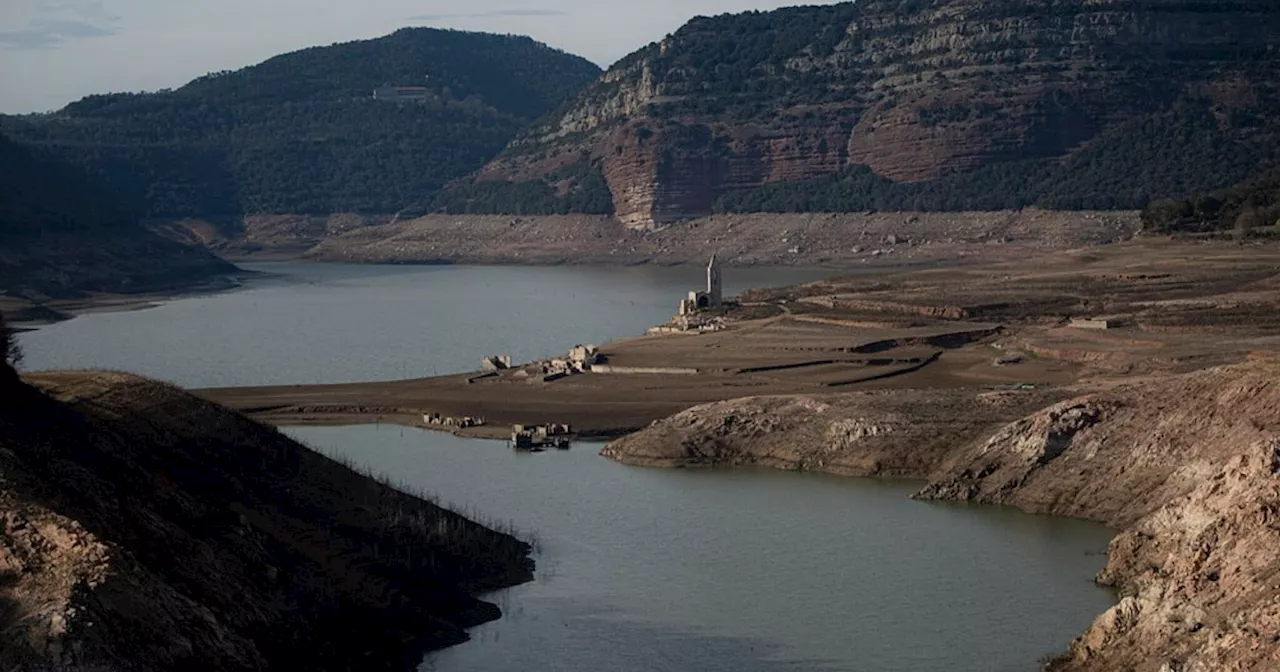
638, 569
333, 323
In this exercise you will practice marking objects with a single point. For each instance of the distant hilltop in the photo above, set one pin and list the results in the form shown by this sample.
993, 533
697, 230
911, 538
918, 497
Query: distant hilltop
306, 132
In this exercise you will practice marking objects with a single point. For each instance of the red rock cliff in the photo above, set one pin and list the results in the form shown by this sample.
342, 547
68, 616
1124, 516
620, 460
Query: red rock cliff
916, 91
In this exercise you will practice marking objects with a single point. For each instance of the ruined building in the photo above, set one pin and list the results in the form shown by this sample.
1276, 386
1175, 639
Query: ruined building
712, 298
714, 292
493, 363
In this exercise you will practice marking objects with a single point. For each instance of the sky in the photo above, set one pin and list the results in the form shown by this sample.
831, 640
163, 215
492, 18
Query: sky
55, 51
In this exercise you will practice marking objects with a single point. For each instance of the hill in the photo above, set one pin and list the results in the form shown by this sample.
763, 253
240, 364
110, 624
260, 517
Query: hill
144, 529
61, 237
909, 105
302, 132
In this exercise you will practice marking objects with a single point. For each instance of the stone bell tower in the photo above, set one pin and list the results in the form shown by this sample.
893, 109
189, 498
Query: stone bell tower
714, 291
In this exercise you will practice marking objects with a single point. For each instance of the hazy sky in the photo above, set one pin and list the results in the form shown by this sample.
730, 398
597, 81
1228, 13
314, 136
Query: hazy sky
55, 51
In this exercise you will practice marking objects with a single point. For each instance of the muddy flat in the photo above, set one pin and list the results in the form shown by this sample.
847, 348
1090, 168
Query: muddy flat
752, 358
1169, 306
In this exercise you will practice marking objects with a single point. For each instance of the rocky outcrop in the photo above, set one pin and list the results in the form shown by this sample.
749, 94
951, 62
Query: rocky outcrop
917, 92
142, 528
1187, 467
888, 433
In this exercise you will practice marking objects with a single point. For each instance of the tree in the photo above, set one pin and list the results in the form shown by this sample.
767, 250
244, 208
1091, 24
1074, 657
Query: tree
10, 351
1246, 222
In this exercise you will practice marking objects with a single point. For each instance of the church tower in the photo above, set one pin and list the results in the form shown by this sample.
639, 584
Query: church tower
714, 291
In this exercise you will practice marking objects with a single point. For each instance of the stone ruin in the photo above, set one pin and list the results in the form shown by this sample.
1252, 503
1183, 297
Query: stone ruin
494, 363
529, 437
579, 360
1095, 323
581, 357
465, 422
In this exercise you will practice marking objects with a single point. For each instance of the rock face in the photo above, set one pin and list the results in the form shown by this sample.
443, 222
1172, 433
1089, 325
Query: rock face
889, 433
921, 91
1188, 467
144, 529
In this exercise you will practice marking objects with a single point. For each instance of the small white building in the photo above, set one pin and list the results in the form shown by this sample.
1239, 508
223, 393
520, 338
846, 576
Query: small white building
401, 94
1095, 323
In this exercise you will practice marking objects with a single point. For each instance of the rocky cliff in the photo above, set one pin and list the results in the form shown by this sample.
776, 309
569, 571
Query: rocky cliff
144, 529
933, 104
1188, 467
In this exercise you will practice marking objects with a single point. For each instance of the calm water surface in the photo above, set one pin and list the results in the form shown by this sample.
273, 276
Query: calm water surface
637, 569
644, 569
331, 323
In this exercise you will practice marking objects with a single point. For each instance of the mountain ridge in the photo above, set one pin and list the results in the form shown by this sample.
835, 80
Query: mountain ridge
924, 104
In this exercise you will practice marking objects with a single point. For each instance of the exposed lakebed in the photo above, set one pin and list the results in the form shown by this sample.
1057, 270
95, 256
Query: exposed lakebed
638, 569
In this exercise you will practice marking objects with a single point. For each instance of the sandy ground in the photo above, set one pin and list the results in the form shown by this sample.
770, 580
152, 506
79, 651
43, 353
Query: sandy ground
818, 358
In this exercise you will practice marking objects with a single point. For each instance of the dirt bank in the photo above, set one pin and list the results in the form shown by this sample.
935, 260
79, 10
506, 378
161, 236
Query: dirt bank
1187, 466
142, 528
765, 239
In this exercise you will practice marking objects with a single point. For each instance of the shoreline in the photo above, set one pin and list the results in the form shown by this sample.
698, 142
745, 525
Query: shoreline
765, 239
838, 242
960, 422
53, 311
1192, 557
27, 314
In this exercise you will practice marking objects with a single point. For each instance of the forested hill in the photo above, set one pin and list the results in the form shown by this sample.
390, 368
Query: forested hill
42, 197
1242, 208
302, 132
60, 237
